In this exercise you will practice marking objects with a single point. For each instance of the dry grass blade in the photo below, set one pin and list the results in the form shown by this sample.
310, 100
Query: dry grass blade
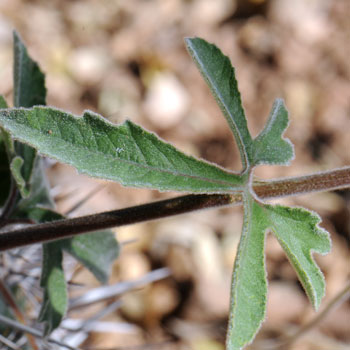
106, 292
10, 300
82, 201
83, 328
36, 333
8, 343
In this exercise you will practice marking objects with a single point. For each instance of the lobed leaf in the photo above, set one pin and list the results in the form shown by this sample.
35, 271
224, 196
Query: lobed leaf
125, 153
219, 74
128, 154
269, 147
298, 232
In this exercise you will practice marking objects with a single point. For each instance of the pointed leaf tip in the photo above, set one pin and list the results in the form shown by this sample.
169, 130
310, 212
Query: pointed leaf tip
270, 147
28, 90
219, 75
249, 284
299, 234
29, 81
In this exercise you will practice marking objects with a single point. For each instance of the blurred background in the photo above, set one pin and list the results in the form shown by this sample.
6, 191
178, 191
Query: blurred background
127, 60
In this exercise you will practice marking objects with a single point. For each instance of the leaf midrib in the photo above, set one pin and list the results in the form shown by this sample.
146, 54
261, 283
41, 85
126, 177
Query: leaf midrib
130, 162
221, 99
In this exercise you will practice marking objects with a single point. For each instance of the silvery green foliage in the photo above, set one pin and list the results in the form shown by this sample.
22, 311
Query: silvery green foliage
96, 251
134, 157
296, 229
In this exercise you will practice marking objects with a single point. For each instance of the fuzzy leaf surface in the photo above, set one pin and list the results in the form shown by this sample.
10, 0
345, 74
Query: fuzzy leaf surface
39, 189
5, 174
29, 90
219, 74
269, 147
125, 153
249, 286
29, 81
16, 166
299, 235
298, 232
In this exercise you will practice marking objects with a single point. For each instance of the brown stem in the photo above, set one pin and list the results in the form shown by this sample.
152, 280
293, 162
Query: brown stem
323, 181
326, 181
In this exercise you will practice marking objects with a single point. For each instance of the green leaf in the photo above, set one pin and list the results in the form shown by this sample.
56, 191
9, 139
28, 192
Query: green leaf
6, 139
38, 214
55, 299
16, 166
29, 81
96, 251
298, 232
5, 174
249, 286
39, 189
29, 90
269, 147
3, 103
219, 74
28, 154
125, 153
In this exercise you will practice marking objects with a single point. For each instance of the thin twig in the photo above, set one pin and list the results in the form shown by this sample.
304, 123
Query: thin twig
10, 301
83, 327
18, 326
84, 200
325, 181
106, 292
338, 299
9, 343
137, 347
